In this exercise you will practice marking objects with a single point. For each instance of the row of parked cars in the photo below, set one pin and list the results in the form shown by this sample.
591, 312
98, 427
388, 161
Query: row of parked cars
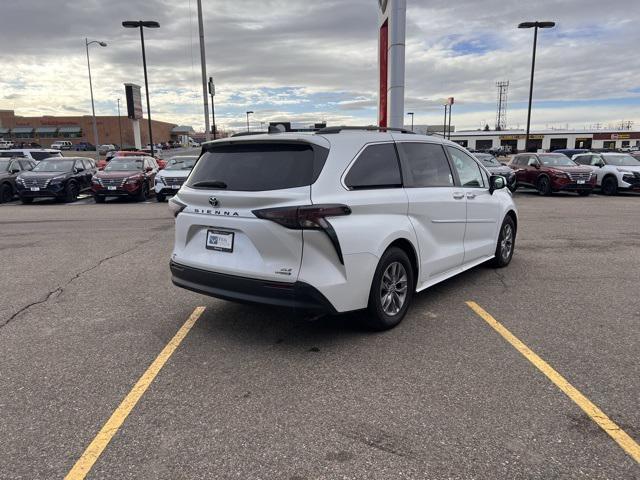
133, 175
581, 172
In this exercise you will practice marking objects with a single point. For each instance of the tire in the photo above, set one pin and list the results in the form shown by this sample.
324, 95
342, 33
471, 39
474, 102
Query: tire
160, 197
396, 272
6, 193
584, 193
506, 243
26, 200
99, 198
609, 186
143, 194
543, 186
71, 192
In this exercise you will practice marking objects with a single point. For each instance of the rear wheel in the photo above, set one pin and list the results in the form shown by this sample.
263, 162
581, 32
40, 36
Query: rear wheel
144, 193
160, 197
609, 186
506, 243
391, 290
544, 186
6, 193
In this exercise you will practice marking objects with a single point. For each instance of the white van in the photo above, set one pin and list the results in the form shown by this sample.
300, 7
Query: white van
4, 144
62, 145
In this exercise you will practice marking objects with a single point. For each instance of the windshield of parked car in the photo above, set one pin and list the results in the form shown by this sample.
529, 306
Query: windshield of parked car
123, 164
488, 160
622, 160
181, 163
54, 166
556, 160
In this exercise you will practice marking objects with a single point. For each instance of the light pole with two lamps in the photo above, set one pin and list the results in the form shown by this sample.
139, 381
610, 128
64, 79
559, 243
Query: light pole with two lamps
141, 24
535, 26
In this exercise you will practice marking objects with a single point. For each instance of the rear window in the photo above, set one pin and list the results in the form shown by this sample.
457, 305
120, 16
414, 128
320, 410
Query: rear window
253, 167
42, 155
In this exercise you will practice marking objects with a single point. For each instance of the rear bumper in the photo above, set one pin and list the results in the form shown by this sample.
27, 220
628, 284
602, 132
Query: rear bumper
248, 290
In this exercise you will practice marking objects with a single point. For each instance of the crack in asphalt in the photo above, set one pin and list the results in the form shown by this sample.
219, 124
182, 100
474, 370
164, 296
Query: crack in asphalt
60, 289
501, 278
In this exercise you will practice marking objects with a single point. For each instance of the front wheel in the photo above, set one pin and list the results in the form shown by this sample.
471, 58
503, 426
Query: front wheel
71, 192
506, 243
144, 193
544, 186
6, 193
391, 290
609, 186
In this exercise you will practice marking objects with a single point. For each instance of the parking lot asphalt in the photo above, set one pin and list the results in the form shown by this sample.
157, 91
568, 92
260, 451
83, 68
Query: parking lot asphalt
259, 393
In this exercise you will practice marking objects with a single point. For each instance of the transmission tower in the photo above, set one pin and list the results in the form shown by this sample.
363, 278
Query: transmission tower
501, 115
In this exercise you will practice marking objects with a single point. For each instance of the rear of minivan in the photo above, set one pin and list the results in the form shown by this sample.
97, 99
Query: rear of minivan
241, 217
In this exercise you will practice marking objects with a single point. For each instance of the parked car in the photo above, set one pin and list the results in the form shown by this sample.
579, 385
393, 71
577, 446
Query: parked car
103, 149
61, 178
552, 172
496, 168
501, 151
130, 176
330, 221
85, 147
570, 152
10, 168
119, 153
614, 171
170, 179
4, 144
62, 145
35, 154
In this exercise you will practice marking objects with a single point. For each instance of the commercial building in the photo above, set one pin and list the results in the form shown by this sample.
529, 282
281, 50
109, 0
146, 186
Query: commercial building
48, 129
548, 140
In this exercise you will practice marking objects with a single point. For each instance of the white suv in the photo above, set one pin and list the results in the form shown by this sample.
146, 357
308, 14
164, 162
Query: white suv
614, 171
338, 220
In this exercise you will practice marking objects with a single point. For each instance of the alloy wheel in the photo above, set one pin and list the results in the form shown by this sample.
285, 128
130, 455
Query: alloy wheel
393, 288
506, 244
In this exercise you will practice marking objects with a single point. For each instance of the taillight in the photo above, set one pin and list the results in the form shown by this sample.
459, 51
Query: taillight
308, 217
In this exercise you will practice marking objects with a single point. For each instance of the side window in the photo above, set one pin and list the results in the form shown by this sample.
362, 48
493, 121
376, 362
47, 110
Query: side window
425, 165
596, 160
78, 164
532, 161
87, 164
467, 168
16, 164
583, 159
376, 167
26, 164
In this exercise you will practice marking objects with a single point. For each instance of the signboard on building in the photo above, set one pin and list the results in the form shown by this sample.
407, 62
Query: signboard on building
617, 136
134, 101
521, 137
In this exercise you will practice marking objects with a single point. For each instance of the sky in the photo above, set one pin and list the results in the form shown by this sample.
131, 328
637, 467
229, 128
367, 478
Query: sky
309, 62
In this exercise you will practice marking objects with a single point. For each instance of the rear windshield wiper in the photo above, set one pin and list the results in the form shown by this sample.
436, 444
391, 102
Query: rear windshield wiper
210, 184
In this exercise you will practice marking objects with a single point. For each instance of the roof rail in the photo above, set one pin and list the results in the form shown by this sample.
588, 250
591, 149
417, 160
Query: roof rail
372, 128
245, 134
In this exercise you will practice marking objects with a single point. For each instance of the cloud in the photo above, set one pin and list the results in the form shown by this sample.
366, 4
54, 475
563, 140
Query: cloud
317, 61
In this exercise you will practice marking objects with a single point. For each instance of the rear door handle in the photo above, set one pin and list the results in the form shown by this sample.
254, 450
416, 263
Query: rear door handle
471, 195
458, 195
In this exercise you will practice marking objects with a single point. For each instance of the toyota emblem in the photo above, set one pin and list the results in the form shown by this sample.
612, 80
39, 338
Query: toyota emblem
214, 202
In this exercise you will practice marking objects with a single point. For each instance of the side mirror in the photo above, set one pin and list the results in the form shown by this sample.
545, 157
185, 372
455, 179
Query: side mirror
600, 164
78, 170
14, 170
148, 169
496, 182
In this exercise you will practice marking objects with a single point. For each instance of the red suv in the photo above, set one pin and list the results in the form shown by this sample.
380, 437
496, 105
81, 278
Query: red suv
129, 153
131, 177
552, 172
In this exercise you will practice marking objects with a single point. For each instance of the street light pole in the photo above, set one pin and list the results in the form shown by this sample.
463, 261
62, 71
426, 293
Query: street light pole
203, 67
411, 113
248, 113
444, 125
535, 26
212, 91
141, 24
119, 124
93, 109
449, 129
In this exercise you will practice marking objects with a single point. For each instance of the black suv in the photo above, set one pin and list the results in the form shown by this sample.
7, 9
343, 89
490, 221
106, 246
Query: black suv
61, 178
10, 168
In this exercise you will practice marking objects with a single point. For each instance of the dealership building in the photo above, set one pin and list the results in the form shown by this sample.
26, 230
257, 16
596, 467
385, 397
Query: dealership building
547, 140
48, 129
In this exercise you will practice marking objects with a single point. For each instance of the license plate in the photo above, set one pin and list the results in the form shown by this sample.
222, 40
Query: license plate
111, 188
581, 182
35, 189
220, 241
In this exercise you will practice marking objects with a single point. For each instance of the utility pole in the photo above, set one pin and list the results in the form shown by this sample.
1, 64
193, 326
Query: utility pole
212, 92
93, 108
204, 73
444, 125
119, 124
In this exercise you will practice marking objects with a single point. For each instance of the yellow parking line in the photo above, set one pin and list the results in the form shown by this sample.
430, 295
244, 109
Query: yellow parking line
627, 443
104, 436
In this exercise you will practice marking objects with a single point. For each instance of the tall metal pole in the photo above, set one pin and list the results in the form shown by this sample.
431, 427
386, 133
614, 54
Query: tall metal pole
146, 87
119, 123
247, 121
213, 115
444, 125
449, 135
93, 109
204, 73
533, 67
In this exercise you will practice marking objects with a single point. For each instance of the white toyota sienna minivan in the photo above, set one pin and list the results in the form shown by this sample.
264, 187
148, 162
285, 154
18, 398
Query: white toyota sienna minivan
342, 219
